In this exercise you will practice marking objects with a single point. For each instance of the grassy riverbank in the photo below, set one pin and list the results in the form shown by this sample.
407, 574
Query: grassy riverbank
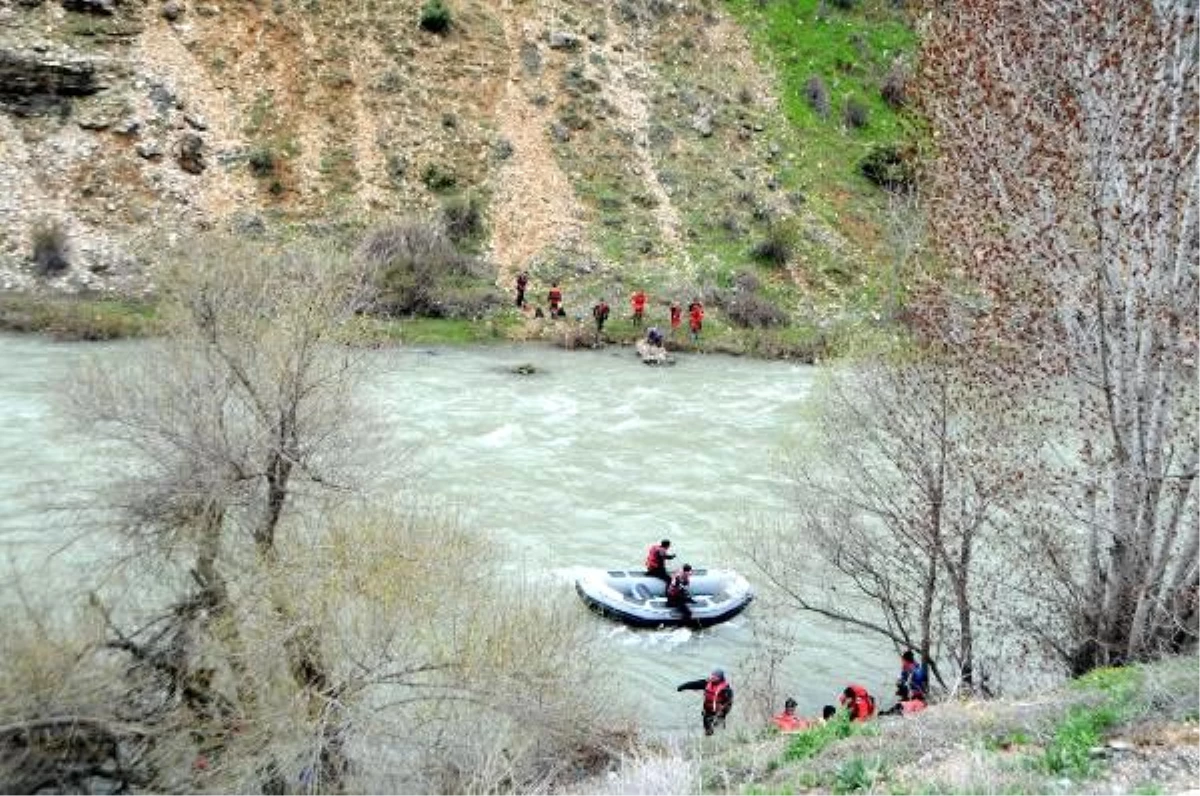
102, 318
1128, 730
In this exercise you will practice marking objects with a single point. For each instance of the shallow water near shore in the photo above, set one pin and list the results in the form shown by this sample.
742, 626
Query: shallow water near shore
581, 464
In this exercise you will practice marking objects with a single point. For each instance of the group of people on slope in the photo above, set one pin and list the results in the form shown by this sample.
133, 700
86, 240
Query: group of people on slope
601, 310
855, 702
859, 705
679, 583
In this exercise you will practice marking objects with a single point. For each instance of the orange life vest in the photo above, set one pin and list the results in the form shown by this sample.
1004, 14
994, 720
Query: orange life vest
788, 722
713, 691
912, 706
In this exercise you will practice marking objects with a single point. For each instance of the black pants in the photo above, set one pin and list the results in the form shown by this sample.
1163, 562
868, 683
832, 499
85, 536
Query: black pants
714, 720
683, 607
660, 573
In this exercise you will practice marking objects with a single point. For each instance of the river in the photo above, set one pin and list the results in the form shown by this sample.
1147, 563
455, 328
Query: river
582, 464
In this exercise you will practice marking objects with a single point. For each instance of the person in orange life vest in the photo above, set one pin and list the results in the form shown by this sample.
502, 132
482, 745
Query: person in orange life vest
522, 283
906, 703
656, 561
638, 300
600, 313
913, 676
555, 299
695, 318
718, 698
858, 703
679, 591
788, 721
676, 317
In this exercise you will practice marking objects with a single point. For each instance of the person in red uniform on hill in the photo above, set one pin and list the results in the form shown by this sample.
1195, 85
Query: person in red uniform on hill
676, 317
788, 721
695, 319
522, 283
656, 560
858, 702
555, 299
638, 300
718, 698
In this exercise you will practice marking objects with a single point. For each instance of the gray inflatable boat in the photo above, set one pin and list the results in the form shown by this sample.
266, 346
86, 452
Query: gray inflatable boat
633, 597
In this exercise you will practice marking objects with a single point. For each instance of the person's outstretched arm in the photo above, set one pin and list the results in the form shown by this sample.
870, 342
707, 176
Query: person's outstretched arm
693, 685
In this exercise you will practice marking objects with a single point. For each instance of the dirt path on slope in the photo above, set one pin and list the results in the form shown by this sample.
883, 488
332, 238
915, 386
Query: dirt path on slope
534, 208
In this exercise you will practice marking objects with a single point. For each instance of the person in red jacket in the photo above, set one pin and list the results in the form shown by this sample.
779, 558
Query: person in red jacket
555, 299
638, 300
718, 699
695, 319
788, 721
676, 317
656, 560
858, 702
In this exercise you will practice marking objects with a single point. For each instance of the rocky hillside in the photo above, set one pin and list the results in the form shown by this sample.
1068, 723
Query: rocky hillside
626, 142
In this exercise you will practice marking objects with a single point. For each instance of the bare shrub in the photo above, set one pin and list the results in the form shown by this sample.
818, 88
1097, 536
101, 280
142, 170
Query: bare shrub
51, 247
895, 86
751, 310
463, 217
890, 167
855, 114
817, 95
416, 266
777, 247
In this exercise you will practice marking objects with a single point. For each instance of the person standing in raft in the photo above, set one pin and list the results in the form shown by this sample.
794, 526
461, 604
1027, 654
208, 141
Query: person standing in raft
679, 592
600, 313
638, 300
695, 319
555, 299
718, 699
676, 317
858, 702
656, 561
522, 283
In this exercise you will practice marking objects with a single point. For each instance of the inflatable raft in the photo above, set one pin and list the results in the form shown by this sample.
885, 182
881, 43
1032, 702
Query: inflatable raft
636, 599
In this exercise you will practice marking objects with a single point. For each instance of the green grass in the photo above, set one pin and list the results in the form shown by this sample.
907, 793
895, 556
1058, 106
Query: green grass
1069, 751
810, 743
77, 318
851, 52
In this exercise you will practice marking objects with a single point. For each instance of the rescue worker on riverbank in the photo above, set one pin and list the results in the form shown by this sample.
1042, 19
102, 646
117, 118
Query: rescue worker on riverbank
600, 313
718, 698
913, 676
522, 283
676, 317
656, 561
638, 301
695, 319
555, 300
906, 703
858, 702
788, 721
679, 592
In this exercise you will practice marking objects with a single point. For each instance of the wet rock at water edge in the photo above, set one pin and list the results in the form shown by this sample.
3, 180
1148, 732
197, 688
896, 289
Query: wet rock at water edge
524, 369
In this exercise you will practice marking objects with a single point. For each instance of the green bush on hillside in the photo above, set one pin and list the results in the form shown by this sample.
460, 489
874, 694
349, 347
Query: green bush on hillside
51, 248
435, 16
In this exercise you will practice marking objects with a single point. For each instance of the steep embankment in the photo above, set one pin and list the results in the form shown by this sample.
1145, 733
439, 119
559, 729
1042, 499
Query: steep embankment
608, 144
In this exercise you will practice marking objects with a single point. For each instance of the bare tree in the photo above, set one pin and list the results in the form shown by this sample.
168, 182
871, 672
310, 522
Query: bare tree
1063, 198
895, 495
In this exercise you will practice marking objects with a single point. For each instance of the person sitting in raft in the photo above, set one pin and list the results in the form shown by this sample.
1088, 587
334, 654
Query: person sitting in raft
906, 703
858, 702
788, 721
656, 561
718, 698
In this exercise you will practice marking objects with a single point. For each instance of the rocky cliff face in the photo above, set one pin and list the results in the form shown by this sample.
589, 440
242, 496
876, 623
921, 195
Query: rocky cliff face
613, 136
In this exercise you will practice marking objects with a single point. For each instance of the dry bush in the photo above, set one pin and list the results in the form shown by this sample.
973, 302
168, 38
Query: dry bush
817, 95
855, 114
895, 86
51, 247
419, 271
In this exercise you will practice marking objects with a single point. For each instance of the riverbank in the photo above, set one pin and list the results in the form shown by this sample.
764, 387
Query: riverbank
85, 317
1128, 730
